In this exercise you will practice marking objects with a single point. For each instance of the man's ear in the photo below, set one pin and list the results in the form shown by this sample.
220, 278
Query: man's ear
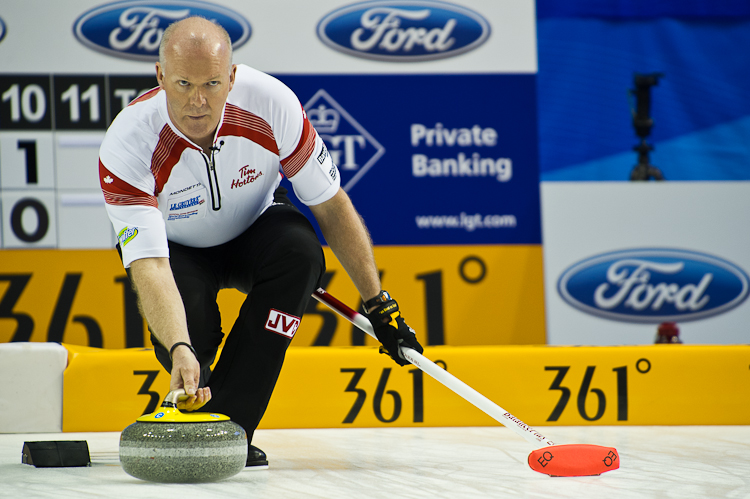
159, 75
232, 74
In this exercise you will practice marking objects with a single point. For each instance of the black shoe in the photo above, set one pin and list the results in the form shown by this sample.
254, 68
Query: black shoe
256, 459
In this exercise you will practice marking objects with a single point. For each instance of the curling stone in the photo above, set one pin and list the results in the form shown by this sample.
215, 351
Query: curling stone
171, 446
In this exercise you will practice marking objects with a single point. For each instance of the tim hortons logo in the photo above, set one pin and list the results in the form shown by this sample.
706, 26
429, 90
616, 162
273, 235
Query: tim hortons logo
247, 176
281, 323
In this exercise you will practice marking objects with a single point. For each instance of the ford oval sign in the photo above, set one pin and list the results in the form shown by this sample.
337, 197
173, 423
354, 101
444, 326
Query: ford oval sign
653, 285
418, 30
133, 29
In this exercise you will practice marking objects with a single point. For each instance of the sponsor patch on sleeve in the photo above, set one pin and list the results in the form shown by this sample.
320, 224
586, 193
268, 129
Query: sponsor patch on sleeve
126, 235
323, 154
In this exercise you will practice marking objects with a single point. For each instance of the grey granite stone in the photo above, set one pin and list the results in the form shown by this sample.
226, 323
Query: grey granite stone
183, 452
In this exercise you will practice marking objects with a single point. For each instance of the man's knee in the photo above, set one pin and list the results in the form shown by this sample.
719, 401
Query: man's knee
299, 248
305, 258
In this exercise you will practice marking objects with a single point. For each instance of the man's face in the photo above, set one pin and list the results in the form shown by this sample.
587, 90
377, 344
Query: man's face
197, 83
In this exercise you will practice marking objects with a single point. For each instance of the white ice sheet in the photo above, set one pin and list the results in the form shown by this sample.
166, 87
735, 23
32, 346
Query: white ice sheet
656, 462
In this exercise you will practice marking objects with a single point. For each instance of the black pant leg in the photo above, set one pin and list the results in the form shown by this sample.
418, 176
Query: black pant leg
278, 262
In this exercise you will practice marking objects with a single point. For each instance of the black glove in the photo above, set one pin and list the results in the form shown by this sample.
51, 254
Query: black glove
390, 328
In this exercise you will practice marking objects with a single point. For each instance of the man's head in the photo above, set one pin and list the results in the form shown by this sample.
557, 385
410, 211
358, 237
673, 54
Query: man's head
195, 70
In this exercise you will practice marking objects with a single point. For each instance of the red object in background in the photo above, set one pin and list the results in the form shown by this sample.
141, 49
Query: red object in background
668, 332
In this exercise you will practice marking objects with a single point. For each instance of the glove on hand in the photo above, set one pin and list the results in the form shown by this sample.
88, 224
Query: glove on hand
390, 328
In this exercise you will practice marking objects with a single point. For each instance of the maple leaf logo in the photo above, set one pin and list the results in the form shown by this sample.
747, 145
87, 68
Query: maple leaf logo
108, 179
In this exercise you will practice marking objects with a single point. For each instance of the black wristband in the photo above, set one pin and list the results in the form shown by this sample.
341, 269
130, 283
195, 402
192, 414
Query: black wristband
171, 350
382, 297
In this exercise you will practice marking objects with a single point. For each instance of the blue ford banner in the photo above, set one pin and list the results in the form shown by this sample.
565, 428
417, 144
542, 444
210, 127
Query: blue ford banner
132, 29
403, 30
654, 285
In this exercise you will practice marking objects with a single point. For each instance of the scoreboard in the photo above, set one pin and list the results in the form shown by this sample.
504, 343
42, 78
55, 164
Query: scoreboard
51, 127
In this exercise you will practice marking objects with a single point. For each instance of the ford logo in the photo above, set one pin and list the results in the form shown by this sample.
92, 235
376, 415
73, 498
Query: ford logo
653, 285
403, 30
2, 29
133, 29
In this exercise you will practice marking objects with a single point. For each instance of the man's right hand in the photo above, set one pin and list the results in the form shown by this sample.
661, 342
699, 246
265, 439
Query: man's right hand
196, 401
390, 328
186, 371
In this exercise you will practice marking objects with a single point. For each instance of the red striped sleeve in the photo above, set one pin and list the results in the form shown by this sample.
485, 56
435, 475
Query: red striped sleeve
117, 192
293, 163
241, 123
166, 155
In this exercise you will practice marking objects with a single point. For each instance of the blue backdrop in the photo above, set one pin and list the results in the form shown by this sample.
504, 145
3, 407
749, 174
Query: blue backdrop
588, 53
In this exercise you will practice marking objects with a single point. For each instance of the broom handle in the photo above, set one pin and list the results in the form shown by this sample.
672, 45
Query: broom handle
456, 385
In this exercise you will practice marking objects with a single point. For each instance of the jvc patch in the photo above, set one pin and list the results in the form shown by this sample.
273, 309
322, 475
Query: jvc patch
281, 323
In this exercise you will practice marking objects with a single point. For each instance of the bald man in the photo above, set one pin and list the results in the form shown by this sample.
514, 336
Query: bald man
191, 175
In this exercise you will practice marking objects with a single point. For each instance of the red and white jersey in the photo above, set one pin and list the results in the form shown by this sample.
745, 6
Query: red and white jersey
159, 185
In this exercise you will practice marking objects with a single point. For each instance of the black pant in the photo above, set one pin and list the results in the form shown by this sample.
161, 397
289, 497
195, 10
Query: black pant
278, 262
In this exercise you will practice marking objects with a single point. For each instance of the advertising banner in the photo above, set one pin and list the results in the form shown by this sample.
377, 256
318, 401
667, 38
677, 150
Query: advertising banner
427, 107
623, 258
356, 388
83, 297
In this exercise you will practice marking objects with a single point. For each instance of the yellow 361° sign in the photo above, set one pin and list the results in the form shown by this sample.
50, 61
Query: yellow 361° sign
451, 295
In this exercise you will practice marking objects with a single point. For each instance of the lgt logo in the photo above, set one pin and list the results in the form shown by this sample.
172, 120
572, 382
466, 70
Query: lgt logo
281, 323
351, 147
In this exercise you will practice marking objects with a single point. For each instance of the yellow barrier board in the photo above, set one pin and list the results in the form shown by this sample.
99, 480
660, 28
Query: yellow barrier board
356, 387
450, 295
107, 389
453, 295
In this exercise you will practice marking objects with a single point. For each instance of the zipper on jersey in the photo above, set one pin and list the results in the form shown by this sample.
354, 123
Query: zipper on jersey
213, 183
